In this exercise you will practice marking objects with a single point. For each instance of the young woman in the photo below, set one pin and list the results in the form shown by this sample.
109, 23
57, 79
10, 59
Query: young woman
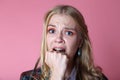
66, 52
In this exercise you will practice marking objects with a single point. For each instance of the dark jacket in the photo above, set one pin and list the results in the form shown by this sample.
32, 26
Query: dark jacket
35, 75
31, 75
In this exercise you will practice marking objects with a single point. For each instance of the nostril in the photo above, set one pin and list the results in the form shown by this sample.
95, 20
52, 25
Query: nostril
59, 39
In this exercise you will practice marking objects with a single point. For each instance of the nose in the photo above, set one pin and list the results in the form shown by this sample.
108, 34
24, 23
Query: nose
59, 38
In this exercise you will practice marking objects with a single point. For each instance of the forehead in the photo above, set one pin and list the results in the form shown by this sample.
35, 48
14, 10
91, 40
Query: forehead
62, 19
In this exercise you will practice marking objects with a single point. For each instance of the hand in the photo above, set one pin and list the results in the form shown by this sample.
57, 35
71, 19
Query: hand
57, 63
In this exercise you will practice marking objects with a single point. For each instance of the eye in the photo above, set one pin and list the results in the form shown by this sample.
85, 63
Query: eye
51, 31
69, 33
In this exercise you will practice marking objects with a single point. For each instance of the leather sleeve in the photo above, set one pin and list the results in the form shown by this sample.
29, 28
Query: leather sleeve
31, 75
104, 77
26, 75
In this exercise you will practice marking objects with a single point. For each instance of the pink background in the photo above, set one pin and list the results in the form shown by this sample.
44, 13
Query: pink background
21, 27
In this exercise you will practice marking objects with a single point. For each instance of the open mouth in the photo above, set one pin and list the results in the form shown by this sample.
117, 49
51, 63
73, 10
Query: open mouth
59, 50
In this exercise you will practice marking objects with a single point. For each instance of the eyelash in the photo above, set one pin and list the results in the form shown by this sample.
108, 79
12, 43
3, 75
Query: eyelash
69, 33
66, 32
51, 29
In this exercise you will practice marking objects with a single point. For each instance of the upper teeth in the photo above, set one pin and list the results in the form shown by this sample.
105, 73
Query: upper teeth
58, 49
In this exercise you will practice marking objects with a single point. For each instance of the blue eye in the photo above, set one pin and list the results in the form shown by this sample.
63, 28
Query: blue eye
69, 33
51, 31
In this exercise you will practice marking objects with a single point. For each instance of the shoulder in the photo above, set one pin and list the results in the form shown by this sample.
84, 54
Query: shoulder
35, 75
104, 77
31, 75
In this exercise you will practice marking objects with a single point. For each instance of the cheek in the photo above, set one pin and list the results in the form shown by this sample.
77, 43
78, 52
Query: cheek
72, 46
73, 42
49, 41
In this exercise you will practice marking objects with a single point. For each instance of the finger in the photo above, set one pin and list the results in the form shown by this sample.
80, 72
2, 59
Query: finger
63, 54
48, 58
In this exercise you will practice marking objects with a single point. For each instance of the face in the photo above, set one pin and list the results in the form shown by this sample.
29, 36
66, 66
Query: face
63, 35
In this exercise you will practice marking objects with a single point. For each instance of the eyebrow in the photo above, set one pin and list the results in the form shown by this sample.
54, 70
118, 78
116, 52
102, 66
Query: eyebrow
51, 25
68, 28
